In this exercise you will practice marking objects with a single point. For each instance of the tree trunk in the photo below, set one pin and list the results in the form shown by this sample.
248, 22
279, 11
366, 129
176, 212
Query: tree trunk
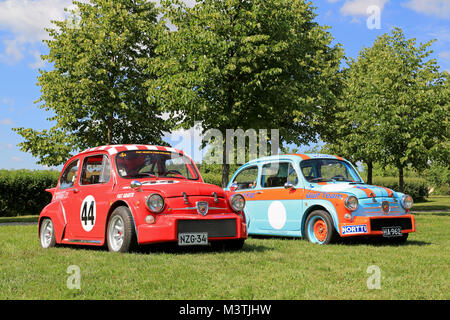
369, 172
109, 130
401, 182
225, 165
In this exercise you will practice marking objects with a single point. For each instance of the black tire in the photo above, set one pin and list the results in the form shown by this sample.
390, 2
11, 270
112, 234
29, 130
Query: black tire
120, 233
320, 219
47, 234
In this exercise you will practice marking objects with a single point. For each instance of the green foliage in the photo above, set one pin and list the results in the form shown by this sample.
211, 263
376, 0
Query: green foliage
394, 106
23, 191
95, 90
415, 187
257, 64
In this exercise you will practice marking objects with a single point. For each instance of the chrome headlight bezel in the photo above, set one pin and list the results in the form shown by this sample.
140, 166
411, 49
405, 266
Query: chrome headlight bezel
351, 203
407, 202
237, 202
155, 202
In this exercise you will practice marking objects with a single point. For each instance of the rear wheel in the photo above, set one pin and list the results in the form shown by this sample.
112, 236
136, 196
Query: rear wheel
319, 228
120, 235
47, 234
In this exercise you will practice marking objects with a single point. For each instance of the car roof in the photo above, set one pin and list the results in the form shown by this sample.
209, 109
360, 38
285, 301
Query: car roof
115, 148
295, 156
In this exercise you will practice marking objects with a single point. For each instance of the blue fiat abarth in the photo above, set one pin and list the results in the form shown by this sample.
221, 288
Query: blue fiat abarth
320, 197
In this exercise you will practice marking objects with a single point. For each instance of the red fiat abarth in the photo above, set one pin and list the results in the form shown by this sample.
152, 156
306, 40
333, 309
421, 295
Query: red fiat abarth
127, 195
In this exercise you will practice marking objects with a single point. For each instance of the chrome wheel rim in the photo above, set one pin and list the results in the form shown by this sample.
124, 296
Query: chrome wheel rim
46, 233
116, 233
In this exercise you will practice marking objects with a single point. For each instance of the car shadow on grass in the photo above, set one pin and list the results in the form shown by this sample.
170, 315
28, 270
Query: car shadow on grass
380, 242
173, 248
350, 241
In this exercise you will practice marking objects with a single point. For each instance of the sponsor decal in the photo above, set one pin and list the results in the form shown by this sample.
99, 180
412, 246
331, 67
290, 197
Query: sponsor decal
362, 228
125, 195
324, 195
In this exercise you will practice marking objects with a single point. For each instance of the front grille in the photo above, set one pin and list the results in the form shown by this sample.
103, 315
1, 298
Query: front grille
214, 228
378, 224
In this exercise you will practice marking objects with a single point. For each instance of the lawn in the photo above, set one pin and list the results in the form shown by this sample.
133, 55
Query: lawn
434, 203
266, 268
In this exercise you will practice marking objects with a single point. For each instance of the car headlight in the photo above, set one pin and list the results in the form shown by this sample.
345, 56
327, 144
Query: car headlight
155, 203
237, 202
407, 202
351, 203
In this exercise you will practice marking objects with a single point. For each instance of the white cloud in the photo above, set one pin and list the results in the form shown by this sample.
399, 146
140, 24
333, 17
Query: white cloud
25, 21
445, 55
16, 159
438, 8
6, 121
359, 7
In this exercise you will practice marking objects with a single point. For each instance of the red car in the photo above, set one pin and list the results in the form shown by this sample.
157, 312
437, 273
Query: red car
127, 195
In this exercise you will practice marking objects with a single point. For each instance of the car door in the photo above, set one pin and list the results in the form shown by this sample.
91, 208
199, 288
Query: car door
246, 180
91, 204
67, 194
279, 204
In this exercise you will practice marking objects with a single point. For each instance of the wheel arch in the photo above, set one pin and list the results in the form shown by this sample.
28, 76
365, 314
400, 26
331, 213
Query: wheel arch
320, 206
115, 205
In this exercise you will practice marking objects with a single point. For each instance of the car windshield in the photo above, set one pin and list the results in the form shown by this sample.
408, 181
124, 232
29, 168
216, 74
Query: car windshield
155, 164
327, 170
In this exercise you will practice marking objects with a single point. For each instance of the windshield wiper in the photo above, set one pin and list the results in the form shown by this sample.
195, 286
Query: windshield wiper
145, 174
319, 179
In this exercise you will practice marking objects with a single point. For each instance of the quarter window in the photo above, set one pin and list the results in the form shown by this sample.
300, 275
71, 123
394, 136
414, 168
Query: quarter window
276, 174
69, 175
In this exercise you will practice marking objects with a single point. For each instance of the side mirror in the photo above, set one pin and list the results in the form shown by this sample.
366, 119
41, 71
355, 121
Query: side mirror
136, 185
234, 186
289, 185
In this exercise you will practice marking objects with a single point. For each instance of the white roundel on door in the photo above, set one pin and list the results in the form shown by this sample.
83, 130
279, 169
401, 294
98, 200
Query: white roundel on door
88, 213
277, 215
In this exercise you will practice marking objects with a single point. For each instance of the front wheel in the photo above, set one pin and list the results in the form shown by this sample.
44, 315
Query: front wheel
319, 228
121, 236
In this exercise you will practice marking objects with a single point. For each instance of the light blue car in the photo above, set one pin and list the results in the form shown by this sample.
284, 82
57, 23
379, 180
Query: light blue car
320, 197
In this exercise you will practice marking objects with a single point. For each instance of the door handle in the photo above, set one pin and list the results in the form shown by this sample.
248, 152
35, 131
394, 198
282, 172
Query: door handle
75, 190
259, 192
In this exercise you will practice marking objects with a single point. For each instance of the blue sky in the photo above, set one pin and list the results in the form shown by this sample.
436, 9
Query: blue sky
353, 24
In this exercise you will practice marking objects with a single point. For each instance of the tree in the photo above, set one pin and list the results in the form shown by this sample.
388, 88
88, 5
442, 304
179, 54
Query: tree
246, 64
394, 106
96, 87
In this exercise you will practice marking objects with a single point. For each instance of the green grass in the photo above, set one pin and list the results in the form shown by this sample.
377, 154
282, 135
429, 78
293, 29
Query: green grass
433, 203
266, 268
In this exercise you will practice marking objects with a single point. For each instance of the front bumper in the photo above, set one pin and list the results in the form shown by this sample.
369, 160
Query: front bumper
167, 226
372, 226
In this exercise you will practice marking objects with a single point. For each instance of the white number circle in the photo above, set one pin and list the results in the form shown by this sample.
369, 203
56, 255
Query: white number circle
88, 213
277, 215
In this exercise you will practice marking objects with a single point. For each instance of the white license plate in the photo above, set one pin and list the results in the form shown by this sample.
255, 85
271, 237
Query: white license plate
192, 239
390, 232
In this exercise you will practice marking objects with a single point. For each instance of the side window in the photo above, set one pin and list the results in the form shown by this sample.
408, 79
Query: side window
276, 174
246, 179
69, 175
96, 169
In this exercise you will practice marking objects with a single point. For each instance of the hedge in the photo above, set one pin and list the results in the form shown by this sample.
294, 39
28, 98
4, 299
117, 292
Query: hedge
23, 192
415, 187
